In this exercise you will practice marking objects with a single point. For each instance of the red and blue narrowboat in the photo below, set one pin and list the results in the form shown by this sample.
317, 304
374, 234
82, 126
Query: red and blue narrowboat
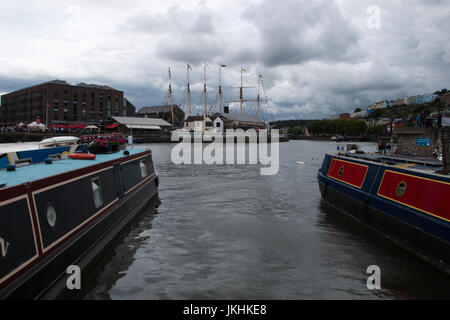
404, 199
59, 213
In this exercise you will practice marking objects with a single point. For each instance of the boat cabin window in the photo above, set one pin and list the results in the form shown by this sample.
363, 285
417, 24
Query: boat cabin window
144, 169
97, 191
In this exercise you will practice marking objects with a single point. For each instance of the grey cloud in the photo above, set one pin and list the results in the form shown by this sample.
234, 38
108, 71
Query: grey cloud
294, 32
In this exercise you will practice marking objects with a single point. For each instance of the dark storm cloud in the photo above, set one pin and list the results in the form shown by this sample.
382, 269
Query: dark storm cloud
293, 32
187, 35
318, 57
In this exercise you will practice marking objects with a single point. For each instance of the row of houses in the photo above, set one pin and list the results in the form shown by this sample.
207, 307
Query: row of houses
420, 99
413, 100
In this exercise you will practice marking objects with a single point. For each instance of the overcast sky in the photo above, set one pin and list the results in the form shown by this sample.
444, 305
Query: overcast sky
317, 57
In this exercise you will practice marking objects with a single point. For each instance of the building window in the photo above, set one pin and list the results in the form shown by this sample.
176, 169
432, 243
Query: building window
97, 192
218, 124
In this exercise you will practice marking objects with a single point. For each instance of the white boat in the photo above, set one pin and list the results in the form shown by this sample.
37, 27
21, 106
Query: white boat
59, 141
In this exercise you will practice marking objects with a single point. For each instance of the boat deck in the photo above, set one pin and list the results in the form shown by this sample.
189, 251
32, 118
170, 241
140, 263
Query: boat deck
40, 171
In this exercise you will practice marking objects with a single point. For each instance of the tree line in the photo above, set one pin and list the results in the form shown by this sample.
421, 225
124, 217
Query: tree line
352, 127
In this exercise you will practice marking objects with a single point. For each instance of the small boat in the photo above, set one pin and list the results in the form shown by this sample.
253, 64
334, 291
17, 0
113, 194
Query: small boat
59, 141
56, 147
63, 213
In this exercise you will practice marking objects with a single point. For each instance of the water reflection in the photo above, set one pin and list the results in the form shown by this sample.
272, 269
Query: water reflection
226, 232
117, 260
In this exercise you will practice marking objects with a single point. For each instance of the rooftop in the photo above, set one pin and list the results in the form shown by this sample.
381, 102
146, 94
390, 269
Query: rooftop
132, 121
164, 108
65, 83
239, 117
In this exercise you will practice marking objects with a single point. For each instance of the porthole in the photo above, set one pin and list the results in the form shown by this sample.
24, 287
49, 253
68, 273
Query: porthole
144, 169
401, 189
341, 171
51, 215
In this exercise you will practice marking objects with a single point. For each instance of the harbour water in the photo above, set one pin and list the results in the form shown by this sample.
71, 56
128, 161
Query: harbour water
226, 232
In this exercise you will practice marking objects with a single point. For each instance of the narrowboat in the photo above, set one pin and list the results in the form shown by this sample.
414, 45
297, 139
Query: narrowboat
405, 199
61, 213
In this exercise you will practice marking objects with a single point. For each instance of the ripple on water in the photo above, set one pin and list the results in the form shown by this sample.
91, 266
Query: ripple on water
226, 232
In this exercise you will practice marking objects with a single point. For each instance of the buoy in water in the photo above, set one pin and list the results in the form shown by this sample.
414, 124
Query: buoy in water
301, 163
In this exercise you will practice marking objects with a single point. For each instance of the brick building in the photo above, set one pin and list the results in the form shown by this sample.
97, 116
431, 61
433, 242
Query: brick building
64, 103
163, 112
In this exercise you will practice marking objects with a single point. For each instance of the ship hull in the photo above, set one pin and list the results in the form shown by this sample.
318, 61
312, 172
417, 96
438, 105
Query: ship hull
368, 192
38, 256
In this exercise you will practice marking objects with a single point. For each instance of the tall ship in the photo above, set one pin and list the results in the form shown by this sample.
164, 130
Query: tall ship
402, 197
214, 120
57, 212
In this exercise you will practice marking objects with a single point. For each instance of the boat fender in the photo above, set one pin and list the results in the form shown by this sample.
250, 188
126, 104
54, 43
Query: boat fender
82, 156
126, 153
48, 161
10, 167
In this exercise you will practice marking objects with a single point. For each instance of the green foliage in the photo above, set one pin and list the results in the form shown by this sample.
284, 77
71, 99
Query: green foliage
442, 92
374, 131
341, 126
290, 123
296, 131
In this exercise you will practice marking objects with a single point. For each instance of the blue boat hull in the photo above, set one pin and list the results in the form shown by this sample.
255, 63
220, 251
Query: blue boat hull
425, 235
36, 255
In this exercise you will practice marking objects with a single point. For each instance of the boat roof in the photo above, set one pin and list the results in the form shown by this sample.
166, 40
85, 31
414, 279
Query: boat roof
395, 159
41, 170
412, 163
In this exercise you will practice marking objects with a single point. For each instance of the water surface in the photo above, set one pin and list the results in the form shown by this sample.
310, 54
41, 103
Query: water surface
226, 232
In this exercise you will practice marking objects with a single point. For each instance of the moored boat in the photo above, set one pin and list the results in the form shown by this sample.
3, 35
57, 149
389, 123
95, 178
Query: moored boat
59, 141
403, 198
62, 213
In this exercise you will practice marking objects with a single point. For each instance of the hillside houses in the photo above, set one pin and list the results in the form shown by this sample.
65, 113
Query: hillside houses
413, 100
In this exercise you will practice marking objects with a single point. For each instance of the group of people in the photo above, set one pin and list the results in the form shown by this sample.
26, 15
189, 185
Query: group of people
424, 121
383, 148
12, 129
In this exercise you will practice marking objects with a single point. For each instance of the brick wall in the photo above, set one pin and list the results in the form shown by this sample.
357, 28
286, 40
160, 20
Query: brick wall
407, 141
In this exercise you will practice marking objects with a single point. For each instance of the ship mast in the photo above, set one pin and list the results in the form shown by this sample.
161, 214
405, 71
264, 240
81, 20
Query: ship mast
241, 93
259, 99
189, 90
220, 87
170, 97
204, 90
